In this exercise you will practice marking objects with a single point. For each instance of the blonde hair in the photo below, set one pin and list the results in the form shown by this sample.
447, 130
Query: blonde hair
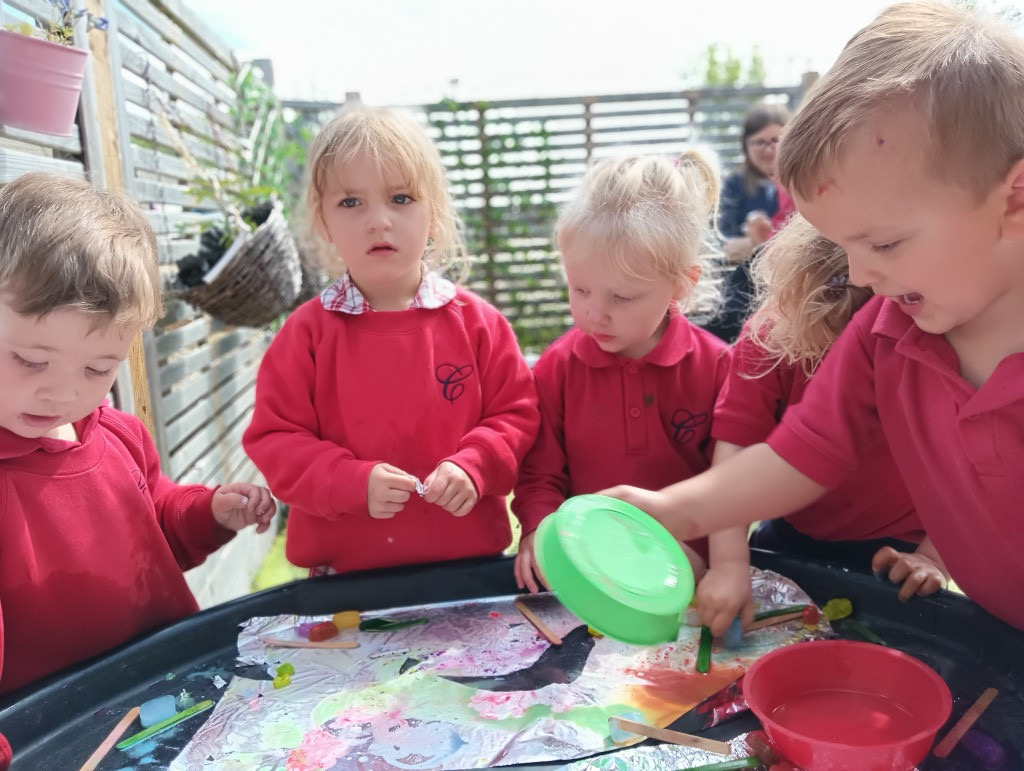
805, 297
66, 245
394, 141
647, 206
963, 73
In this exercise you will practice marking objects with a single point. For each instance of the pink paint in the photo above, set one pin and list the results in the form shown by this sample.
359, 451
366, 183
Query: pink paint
319, 750
494, 614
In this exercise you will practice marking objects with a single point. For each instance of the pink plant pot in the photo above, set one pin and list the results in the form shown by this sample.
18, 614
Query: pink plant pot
41, 83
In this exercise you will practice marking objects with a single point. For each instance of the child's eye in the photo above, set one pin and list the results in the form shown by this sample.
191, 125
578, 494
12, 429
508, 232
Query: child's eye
401, 199
27, 363
98, 372
348, 203
623, 299
579, 290
885, 247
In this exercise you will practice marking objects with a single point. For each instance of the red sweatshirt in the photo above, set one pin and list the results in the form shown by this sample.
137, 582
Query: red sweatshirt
93, 541
339, 393
609, 420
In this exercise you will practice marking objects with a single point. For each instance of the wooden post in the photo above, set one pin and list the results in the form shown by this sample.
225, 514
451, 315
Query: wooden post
106, 110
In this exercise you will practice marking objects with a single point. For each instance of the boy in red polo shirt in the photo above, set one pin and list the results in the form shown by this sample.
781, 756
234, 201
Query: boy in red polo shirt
909, 154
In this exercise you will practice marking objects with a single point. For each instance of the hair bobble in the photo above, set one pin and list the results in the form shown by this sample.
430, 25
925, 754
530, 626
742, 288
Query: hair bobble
837, 285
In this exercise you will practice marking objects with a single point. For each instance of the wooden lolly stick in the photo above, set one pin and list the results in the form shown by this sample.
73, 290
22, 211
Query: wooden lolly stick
308, 643
949, 741
774, 620
107, 744
539, 625
673, 737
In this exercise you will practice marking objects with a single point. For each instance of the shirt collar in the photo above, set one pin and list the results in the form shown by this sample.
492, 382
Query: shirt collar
344, 296
910, 340
676, 343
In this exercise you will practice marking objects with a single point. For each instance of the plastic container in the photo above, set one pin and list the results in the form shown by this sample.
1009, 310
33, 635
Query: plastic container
616, 568
839, 704
41, 83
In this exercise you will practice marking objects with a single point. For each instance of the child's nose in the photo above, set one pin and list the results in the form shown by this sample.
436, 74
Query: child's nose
60, 391
863, 271
597, 310
379, 220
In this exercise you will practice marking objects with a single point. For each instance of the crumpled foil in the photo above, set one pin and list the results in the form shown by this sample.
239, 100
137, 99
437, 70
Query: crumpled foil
477, 686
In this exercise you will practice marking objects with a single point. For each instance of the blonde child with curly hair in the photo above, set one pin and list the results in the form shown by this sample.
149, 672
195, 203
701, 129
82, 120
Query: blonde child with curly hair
93, 537
393, 410
627, 394
805, 302
909, 154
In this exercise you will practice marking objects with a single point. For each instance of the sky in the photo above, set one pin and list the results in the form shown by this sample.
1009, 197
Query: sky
418, 51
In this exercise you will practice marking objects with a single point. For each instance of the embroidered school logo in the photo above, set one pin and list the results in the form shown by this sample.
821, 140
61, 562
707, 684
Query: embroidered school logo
686, 423
140, 479
451, 377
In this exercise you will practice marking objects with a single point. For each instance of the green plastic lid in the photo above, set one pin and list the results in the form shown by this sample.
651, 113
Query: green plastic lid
616, 568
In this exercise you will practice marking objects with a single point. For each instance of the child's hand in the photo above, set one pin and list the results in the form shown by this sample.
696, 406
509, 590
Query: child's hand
527, 570
723, 594
451, 488
240, 504
388, 490
654, 502
919, 572
759, 228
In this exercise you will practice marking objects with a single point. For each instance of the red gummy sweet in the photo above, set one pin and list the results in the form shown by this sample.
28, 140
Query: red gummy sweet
323, 631
811, 616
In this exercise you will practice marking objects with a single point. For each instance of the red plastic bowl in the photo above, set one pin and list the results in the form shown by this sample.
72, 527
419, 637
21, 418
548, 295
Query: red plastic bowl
845, 705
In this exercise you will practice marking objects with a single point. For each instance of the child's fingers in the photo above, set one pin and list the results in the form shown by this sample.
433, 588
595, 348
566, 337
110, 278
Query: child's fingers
910, 585
883, 559
464, 506
230, 501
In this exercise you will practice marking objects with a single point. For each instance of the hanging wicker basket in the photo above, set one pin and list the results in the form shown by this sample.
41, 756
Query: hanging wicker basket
256, 280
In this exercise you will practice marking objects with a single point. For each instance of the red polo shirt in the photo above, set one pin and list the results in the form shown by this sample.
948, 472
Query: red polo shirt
960, 449
872, 502
608, 420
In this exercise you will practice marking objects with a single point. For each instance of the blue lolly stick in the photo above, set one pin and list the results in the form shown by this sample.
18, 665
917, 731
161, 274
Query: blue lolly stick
163, 725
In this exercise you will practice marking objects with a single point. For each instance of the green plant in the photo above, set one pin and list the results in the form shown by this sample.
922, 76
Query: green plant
508, 233
60, 27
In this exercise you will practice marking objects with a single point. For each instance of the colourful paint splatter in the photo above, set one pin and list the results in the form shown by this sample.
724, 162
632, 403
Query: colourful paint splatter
473, 687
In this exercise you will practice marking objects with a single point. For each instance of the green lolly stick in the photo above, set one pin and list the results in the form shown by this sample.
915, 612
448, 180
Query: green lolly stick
704, 651
778, 612
163, 725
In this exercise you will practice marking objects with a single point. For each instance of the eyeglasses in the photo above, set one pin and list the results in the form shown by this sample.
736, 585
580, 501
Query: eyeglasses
763, 144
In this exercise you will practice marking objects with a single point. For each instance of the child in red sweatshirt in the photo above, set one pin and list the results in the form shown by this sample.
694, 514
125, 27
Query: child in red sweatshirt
93, 537
392, 411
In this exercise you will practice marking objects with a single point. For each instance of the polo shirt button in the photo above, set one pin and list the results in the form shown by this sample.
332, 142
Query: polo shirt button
631, 369
634, 412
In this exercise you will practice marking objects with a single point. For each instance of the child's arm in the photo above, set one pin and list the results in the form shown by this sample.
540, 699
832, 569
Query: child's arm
185, 512
724, 591
922, 572
491, 451
543, 483
755, 484
319, 476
